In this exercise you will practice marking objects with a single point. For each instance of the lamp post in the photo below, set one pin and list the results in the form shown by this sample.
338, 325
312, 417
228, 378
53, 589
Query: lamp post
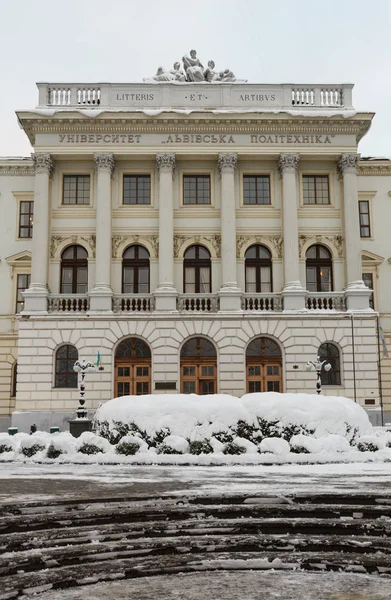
318, 365
81, 423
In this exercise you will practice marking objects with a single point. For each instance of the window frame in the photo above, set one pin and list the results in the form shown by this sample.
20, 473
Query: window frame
198, 208
196, 176
258, 263
307, 174
67, 373
317, 262
17, 302
256, 176
75, 264
137, 175
197, 264
372, 301
360, 213
30, 226
136, 264
325, 375
76, 174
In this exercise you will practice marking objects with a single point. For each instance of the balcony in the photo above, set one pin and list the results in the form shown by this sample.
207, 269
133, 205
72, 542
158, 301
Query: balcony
68, 303
198, 303
262, 302
326, 301
133, 303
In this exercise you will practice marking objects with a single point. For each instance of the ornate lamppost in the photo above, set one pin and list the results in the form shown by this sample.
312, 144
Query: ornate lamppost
81, 423
318, 365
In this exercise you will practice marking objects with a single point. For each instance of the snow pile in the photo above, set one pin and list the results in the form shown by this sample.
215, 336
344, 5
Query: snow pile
275, 446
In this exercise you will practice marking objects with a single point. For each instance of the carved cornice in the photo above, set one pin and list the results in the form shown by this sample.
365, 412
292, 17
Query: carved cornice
213, 241
273, 242
104, 162
227, 162
59, 240
288, 163
335, 241
16, 171
43, 163
348, 163
170, 122
374, 169
151, 242
165, 162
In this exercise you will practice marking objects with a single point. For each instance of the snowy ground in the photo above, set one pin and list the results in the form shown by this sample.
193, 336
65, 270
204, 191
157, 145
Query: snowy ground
19, 481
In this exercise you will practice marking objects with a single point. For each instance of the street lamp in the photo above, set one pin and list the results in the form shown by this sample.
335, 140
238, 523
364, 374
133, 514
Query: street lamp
318, 365
83, 367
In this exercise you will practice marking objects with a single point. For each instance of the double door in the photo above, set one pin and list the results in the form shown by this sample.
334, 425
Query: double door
132, 379
198, 378
264, 377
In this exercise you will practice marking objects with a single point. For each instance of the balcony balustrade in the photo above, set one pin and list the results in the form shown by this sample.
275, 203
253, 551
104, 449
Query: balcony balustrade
68, 303
198, 303
262, 302
326, 301
130, 303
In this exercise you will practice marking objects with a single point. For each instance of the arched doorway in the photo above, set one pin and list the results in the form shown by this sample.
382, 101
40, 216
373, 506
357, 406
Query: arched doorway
132, 368
198, 367
263, 366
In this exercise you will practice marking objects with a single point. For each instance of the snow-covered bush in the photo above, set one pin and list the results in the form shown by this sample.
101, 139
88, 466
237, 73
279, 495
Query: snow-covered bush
32, 444
7, 443
274, 445
89, 443
333, 443
60, 443
130, 445
370, 443
200, 447
233, 448
303, 444
173, 444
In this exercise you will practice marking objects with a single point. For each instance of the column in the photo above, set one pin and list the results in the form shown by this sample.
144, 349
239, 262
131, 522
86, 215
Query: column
230, 294
36, 296
101, 295
294, 294
357, 294
166, 294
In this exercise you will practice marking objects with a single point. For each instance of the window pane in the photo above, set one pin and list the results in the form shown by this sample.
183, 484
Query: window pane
189, 387
137, 189
196, 189
204, 280
325, 279
251, 282
189, 280
311, 279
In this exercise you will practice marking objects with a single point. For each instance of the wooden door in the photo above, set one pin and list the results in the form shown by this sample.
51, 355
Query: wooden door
199, 378
132, 378
264, 377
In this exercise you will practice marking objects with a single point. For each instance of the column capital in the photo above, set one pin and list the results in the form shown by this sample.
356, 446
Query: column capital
227, 162
104, 162
348, 163
165, 162
288, 163
43, 163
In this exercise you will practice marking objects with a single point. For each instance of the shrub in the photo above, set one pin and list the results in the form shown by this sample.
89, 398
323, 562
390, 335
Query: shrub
367, 447
127, 448
299, 450
248, 432
89, 448
53, 452
200, 447
5, 447
31, 450
232, 448
274, 445
225, 437
165, 449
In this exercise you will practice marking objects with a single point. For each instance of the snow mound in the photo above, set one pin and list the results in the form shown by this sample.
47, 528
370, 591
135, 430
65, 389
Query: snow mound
274, 445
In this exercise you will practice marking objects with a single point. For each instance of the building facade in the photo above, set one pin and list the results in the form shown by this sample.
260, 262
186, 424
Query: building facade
201, 237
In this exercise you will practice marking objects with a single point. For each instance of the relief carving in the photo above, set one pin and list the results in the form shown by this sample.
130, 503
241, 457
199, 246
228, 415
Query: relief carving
57, 240
213, 240
275, 241
151, 241
334, 240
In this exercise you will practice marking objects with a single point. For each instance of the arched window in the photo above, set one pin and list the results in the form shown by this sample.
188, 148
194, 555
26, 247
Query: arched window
132, 368
258, 265
319, 269
74, 270
135, 270
197, 276
198, 367
14, 378
330, 352
66, 377
263, 366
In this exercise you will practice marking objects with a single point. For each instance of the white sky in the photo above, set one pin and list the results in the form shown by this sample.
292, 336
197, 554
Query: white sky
264, 41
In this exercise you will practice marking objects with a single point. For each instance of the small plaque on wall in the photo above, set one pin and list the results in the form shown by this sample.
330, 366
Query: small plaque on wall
165, 385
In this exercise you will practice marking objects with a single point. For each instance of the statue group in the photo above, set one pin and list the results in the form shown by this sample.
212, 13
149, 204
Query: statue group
193, 71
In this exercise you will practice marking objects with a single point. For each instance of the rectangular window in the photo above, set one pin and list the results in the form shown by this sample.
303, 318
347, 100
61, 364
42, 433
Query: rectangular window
316, 189
22, 284
76, 189
196, 189
365, 225
368, 280
256, 189
137, 189
26, 219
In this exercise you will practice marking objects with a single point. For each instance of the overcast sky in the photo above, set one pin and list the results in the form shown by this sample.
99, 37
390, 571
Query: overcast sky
264, 41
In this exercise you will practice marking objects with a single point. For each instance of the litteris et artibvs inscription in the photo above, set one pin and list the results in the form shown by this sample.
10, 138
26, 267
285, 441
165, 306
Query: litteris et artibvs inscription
192, 138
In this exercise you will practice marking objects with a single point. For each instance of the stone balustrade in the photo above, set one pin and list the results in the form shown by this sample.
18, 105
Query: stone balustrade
262, 302
326, 301
128, 303
198, 303
68, 303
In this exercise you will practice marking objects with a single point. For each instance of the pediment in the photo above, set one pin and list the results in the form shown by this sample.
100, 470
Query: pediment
371, 258
20, 259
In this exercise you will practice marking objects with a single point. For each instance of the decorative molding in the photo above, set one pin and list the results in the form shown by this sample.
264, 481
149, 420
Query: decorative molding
119, 242
165, 162
104, 162
288, 163
227, 162
182, 242
43, 163
334, 242
374, 169
21, 259
348, 164
16, 171
273, 242
56, 241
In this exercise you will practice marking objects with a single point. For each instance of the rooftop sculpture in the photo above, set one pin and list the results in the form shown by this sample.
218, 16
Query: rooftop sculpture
194, 72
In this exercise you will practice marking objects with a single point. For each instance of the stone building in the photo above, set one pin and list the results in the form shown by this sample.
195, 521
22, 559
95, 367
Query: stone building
202, 237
